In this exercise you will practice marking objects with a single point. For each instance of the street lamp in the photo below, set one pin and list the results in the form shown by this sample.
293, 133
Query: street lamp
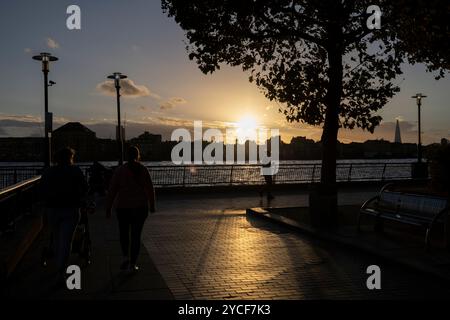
419, 98
45, 58
117, 76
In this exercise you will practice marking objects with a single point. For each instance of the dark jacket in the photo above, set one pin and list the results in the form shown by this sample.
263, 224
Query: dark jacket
63, 187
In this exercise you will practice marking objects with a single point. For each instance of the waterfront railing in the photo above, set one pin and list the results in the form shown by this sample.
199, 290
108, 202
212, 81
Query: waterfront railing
17, 201
245, 174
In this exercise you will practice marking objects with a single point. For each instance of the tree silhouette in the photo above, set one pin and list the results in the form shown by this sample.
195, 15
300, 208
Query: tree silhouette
423, 30
317, 58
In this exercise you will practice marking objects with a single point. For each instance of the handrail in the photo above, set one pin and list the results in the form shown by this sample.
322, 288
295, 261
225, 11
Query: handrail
356, 162
6, 192
18, 200
169, 175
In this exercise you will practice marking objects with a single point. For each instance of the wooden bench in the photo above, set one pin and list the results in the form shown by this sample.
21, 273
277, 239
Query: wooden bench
413, 209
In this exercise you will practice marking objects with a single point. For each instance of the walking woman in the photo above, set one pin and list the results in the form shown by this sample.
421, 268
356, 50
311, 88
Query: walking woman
64, 189
131, 192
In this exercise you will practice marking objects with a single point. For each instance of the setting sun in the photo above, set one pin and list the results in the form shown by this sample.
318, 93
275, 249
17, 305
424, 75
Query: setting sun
246, 129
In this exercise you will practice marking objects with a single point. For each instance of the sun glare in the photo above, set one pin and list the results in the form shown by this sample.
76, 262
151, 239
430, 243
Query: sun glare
246, 129
247, 123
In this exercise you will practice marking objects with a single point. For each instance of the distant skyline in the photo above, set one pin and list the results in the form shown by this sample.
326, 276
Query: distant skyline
165, 90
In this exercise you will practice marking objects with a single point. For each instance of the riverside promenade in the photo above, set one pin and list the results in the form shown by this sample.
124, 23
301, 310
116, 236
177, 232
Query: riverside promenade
202, 245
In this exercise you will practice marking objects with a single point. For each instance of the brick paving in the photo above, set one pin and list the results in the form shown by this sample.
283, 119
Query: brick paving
100, 280
205, 247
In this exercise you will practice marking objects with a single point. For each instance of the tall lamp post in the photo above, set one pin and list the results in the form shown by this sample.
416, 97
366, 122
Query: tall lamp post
117, 76
45, 58
419, 98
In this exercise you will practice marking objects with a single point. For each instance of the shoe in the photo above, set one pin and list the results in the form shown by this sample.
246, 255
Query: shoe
134, 268
125, 265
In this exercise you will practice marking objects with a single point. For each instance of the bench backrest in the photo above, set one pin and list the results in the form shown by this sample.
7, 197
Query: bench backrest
412, 204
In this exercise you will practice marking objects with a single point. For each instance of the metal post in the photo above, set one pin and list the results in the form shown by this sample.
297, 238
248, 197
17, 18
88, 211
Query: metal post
231, 175
45, 59
47, 145
419, 144
117, 76
384, 171
119, 129
419, 97
313, 173
349, 177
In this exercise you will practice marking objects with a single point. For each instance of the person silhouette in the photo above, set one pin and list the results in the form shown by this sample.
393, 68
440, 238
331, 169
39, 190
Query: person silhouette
268, 179
97, 178
64, 189
131, 192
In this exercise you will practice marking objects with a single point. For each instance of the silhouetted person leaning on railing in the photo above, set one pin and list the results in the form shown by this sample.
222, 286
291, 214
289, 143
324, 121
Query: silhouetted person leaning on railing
132, 193
64, 189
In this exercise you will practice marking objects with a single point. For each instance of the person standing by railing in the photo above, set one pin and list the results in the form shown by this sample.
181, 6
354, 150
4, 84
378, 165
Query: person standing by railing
131, 190
64, 189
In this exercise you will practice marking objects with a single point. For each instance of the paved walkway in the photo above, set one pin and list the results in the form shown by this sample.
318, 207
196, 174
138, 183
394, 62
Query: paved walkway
207, 248
100, 280
203, 246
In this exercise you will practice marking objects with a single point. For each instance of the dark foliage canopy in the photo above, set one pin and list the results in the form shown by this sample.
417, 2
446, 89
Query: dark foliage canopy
285, 46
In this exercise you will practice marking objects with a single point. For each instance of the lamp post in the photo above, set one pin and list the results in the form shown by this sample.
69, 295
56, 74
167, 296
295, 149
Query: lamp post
419, 98
45, 58
117, 76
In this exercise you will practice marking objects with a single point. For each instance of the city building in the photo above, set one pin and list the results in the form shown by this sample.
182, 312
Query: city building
77, 136
149, 144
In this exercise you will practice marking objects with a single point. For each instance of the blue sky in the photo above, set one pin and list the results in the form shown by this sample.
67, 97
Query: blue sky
136, 38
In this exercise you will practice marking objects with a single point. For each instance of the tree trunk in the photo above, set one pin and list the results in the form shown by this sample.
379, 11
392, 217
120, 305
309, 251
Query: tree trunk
323, 197
331, 125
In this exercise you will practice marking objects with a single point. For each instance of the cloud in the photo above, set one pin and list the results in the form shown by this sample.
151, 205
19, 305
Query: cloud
52, 44
27, 50
26, 120
172, 102
128, 89
135, 48
158, 123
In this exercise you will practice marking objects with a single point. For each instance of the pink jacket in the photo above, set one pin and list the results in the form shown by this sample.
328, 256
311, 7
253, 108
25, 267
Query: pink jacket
128, 190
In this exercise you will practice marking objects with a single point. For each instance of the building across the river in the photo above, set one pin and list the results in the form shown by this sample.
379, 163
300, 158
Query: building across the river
89, 148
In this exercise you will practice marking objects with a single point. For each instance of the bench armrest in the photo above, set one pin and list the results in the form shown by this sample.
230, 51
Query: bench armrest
363, 207
367, 202
432, 223
385, 187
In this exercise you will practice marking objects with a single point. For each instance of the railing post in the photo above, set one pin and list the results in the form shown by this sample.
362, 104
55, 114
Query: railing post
184, 175
349, 177
313, 173
231, 175
15, 176
384, 170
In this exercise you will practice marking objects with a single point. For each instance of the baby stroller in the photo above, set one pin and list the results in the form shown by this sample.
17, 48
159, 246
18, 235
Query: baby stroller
81, 242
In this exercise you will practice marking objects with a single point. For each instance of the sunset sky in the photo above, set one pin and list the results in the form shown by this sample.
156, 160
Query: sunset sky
166, 90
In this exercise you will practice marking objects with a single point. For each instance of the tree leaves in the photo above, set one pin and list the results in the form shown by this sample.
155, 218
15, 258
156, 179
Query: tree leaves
285, 47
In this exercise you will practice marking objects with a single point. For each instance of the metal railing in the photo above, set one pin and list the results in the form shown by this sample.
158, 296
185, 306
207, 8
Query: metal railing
10, 175
16, 201
223, 175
